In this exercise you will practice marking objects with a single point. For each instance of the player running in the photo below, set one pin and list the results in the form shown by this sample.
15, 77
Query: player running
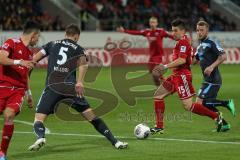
64, 57
155, 38
181, 79
211, 55
16, 60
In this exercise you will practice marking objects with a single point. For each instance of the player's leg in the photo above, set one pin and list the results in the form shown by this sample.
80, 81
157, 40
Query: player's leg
163, 91
8, 129
38, 126
45, 107
208, 93
186, 92
226, 126
13, 105
199, 109
39, 130
207, 96
81, 105
2, 108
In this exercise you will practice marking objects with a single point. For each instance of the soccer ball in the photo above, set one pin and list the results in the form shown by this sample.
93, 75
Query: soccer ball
141, 131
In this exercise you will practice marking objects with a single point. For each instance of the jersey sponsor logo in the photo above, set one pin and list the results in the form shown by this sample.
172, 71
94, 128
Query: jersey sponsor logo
183, 49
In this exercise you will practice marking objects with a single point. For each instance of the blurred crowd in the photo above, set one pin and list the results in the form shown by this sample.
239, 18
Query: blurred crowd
134, 14
13, 14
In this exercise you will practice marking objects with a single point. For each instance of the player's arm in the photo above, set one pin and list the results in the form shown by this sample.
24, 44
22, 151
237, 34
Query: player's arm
183, 48
178, 62
38, 56
161, 69
28, 94
167, 34
132, 32
83, 66
195, 59
5, 60
43, 52
221, 58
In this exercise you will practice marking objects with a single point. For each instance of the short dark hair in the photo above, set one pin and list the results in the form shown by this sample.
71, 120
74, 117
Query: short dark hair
202, 23
179, 23
72, 29
31, 26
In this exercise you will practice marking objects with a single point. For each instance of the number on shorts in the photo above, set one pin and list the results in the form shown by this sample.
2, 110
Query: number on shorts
182, 90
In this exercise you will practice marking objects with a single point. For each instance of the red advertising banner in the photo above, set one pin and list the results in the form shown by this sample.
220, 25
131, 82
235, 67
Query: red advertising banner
135, 56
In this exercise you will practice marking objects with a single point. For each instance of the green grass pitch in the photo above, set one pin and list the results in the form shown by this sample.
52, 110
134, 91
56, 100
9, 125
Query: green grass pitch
186, 136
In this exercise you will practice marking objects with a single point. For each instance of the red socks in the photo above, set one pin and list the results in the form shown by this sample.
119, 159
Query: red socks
7, 133
203, 111
159, 107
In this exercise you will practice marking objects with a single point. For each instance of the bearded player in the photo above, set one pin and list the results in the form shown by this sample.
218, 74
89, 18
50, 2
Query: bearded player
210, 55
16, 61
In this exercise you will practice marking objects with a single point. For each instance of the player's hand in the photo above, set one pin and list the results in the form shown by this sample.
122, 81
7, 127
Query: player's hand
208, 70
79, 88
29, 101
27, 64
159, 70
120, 29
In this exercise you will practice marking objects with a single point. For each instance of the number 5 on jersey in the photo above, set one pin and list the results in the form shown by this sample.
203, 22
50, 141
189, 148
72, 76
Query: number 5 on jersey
63, 54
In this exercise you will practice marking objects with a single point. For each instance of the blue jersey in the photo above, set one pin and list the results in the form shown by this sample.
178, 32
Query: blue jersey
207, 53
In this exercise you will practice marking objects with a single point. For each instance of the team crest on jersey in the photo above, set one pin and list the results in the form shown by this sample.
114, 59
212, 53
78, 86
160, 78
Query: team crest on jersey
183, 49
20, 51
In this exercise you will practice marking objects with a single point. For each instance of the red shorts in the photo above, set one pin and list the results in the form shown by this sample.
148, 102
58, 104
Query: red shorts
11, 98
182, 84
154, 61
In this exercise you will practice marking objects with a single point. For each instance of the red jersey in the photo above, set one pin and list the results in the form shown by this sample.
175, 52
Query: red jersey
15, 75
155, 39
183, 49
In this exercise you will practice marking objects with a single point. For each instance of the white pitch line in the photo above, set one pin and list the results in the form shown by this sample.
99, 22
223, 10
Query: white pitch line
123, 137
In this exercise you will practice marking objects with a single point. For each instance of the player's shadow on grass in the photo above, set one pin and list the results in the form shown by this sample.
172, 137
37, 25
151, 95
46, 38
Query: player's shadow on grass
63, 148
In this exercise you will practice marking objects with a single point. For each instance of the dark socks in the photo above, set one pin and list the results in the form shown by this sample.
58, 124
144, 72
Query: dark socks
224, 122
39, 129
215, 103
213, 108
102, 128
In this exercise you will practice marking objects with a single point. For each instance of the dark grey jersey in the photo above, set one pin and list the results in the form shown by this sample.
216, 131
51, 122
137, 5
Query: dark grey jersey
207, 53
63, 56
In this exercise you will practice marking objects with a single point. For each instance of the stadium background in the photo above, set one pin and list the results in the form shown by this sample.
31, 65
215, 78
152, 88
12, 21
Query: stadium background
186, 136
